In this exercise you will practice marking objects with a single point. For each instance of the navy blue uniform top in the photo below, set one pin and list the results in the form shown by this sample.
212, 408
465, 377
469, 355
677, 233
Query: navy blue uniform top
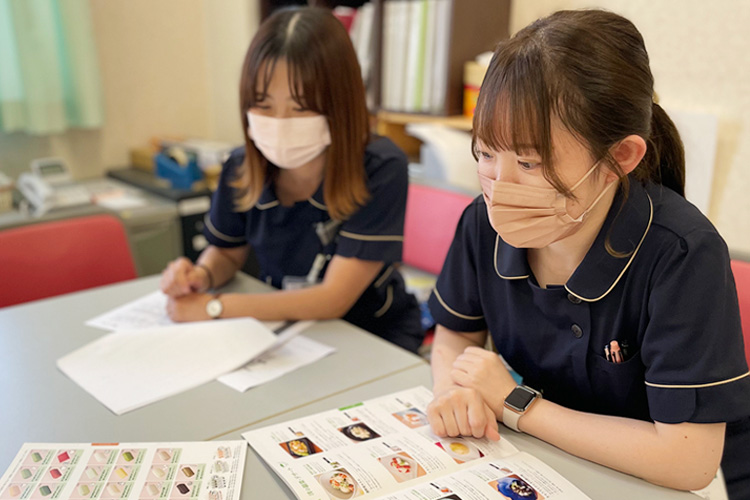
286, 239
671, 300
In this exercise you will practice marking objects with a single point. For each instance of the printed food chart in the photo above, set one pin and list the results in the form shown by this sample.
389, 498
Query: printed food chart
383, 449
118, 471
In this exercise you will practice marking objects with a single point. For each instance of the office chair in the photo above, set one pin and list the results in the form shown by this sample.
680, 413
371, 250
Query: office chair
53, 258
432, 214
431, 218
741, 271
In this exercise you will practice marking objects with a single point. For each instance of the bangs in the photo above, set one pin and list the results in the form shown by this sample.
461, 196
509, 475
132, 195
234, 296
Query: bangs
513, 109
304, 80
301, 79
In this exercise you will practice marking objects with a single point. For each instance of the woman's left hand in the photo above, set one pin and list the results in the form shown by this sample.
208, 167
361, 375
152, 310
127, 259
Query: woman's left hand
482, 370
190, 307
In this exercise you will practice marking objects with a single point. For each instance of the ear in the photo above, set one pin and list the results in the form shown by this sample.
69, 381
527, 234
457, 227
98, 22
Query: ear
629, 152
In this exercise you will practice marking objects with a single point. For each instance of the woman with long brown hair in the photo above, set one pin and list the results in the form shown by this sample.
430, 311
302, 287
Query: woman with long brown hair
608, 292
319, 200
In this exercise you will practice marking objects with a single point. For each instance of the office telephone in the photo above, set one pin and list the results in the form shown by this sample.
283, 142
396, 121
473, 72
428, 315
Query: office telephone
50, 186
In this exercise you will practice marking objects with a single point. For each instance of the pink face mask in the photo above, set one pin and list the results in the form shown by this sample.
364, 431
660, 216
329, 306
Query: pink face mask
530, 216
289, 142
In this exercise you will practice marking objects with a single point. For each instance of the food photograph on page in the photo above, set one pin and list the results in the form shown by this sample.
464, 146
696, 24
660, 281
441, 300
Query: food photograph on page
359, 432
402, 466
412, 418
460, 450
300, 447
339, 484
513, 487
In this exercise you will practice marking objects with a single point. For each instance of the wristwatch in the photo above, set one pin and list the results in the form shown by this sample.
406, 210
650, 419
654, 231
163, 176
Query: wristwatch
517, 403
214, 307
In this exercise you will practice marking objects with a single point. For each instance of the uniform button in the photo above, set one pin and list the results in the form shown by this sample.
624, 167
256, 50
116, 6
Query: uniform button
574, 299
577, 331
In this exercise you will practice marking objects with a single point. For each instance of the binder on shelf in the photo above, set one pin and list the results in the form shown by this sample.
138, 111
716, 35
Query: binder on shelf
430, 41
362, 35
439, 69
415, 68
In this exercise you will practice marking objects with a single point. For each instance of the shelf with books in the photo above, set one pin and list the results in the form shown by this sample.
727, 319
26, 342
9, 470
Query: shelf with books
418, 61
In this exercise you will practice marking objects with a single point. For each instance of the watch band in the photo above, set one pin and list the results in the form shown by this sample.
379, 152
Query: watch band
512, 413
511, 418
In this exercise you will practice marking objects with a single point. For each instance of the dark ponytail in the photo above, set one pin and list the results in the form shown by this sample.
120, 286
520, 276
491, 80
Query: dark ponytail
664, 162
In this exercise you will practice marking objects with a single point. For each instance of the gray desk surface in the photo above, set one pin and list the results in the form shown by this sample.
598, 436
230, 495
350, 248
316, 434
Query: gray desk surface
596, 481
43, 405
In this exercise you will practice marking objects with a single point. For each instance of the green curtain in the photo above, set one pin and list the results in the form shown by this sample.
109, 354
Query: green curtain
49, 75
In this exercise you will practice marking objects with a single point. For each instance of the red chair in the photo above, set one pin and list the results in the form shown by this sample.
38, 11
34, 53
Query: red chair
741, 271
431, 218
52, 258
430, 224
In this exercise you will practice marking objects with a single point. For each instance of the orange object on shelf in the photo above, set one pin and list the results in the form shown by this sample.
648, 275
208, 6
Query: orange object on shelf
473, 76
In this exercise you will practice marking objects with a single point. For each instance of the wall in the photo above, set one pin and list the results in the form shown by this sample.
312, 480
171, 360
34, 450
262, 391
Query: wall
230, 25
698, 54
167, 67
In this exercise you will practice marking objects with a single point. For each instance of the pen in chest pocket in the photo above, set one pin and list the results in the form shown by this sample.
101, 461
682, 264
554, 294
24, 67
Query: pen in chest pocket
616, 352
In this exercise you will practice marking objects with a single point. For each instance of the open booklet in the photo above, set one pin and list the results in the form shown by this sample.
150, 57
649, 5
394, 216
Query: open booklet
383, 448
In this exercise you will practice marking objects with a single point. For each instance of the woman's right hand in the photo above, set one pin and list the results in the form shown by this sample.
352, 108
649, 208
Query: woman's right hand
182, 277
460, 411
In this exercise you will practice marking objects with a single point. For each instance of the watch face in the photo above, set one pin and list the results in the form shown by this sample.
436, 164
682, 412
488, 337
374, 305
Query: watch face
214, 308
520, 398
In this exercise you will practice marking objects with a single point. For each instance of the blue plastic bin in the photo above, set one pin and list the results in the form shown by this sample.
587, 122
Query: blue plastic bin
181, 177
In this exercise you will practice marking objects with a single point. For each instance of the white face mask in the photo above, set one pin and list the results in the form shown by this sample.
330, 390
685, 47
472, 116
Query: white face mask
289, 142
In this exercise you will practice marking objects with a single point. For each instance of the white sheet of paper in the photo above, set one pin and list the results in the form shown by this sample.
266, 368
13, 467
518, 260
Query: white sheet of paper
147, 312
280, 360
161, 362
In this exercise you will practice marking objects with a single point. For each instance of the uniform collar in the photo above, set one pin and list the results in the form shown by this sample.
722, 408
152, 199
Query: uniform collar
510, 262
268, 198
599, 271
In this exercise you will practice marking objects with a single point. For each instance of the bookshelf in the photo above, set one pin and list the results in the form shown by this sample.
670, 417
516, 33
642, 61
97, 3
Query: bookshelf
464, 29
268, 6
472, 27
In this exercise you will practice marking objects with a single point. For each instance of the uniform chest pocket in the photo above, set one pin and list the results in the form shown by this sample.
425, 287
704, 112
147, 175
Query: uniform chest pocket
619, 388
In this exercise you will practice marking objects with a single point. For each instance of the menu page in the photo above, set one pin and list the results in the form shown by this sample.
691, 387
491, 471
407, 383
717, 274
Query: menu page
372, 448
518, 477
111, 471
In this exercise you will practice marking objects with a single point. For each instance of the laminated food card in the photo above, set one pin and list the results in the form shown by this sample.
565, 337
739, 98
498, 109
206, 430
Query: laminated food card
110, 471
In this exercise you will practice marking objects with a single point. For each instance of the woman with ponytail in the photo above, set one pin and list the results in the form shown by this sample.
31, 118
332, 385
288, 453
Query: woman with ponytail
607, 291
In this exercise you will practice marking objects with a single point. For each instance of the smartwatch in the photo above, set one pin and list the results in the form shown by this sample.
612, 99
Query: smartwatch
214, 308
517, 403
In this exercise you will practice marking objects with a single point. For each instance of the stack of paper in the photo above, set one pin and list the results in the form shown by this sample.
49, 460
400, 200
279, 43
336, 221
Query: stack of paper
163, 358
